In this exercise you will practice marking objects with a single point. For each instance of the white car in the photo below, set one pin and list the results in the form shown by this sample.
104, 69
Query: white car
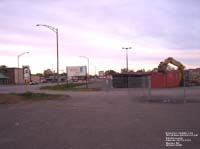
33, 82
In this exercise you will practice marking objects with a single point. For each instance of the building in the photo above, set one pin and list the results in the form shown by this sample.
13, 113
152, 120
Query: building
14, 75
192, 77
101, 74
3, 79
35, 78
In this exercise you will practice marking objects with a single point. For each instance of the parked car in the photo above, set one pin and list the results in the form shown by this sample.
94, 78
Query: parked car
43, 81
33, 82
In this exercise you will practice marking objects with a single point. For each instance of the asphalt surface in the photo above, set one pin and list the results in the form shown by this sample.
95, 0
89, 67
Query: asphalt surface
108, 119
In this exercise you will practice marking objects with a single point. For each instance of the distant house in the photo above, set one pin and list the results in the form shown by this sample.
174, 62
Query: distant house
3, 79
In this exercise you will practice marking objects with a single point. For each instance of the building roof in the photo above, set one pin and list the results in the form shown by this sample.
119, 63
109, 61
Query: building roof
2, 76
139, 74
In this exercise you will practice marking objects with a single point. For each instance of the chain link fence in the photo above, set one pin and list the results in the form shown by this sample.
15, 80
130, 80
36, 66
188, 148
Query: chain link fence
140, 86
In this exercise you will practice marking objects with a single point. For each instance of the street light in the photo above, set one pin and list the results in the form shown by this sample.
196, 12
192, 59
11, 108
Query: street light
88, 69
126, 48
18, 56
56, 31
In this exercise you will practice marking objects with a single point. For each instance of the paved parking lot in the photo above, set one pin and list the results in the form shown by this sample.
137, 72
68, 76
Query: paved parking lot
108, 119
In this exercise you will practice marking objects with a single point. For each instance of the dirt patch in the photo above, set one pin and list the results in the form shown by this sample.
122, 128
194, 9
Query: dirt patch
10, 99
16, 98
168, 100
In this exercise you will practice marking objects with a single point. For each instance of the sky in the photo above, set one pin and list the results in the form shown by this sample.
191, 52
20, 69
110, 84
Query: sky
98, 29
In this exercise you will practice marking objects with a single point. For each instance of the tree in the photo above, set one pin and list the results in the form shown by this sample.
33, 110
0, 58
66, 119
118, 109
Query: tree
3, 66
124, 70
48, 72
39, 74
141, 70
110, 72
3, 69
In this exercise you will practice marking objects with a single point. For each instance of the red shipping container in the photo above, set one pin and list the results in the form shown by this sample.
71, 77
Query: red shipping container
173, 79
164, 80
158, 80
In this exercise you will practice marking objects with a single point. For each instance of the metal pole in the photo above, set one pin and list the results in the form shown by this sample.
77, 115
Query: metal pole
87, 73
149, 87
88, 67
95, 71
56, 31
127, 59
18, 71
184, 88
58, 78
126, 48
18, 65
67, 77
127, 65
86, 79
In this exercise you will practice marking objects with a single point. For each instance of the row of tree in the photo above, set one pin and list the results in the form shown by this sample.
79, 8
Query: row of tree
48, 72
124, 70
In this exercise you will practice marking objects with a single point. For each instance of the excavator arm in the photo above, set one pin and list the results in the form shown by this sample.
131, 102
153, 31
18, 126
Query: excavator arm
162, 67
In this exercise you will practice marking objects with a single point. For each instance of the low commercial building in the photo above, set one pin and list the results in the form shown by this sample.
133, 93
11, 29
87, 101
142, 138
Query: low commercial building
14, 75
3, 79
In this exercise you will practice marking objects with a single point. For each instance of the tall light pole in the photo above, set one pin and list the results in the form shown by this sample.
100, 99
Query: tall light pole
87, 76
56, 31
18, 56
126, 48
95, 71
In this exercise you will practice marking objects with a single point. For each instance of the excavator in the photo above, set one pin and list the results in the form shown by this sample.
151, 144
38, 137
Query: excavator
162, 67
191, 78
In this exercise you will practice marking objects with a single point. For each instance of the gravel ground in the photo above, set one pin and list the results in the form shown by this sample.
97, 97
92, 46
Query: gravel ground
103, 120
108, 119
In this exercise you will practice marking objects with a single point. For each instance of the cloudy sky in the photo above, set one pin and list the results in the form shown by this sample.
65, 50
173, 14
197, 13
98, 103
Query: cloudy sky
98, 29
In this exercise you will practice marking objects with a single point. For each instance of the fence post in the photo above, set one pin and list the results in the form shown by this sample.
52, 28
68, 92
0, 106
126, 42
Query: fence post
149, 87
143, 85
184, 89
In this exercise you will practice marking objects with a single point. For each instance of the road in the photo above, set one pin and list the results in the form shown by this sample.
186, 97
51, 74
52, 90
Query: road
108, 119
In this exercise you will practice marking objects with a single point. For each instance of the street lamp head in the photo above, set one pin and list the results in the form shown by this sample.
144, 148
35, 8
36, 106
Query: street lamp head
23, 54
48, 26
84, 57
126, 48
